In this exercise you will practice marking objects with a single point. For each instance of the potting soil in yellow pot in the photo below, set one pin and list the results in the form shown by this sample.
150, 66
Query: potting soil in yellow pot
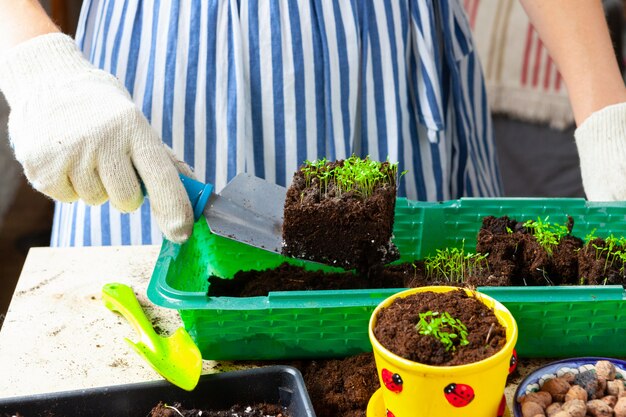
412, 389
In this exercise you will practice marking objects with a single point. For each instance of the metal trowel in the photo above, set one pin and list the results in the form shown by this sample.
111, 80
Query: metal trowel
249, 210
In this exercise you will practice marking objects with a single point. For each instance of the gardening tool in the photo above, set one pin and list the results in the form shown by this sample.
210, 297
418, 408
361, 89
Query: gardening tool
249, 210
176, 358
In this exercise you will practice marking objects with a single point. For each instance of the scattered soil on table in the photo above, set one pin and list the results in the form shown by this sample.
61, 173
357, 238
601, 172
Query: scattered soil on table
343, 229
257, 410
341, 387
395, 329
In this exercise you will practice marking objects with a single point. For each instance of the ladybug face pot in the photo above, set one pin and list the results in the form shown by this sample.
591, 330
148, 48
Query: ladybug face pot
410, 388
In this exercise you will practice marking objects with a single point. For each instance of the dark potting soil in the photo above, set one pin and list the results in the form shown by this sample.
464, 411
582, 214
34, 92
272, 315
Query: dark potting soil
597, 267
341, 387
395, 329
256, 410
288, 277
516, 258
339, 229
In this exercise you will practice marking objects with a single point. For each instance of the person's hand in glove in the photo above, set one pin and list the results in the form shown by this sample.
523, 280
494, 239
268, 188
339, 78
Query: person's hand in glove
577, 36
79, 135
601, 142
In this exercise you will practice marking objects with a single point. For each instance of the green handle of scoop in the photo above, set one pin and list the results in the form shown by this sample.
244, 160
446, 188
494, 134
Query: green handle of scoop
121, 298
175, 357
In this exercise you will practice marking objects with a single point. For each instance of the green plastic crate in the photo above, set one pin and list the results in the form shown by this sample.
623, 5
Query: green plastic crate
553, 321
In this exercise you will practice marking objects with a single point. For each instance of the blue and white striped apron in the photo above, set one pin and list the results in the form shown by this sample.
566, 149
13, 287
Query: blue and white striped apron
261, 85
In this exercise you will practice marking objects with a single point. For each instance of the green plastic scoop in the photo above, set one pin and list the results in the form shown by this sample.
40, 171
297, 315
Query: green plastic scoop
176, 358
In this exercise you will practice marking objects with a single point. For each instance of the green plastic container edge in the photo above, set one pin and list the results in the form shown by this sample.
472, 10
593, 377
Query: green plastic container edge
162, 294
582, 314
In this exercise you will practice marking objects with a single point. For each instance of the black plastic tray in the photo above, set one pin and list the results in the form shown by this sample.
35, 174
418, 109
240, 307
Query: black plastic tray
273, 384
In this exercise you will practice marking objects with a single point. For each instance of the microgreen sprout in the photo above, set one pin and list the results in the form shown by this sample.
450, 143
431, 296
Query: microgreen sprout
354, 174
173, 408
614, 249
443, 327
548, 235
591, 235
454, 264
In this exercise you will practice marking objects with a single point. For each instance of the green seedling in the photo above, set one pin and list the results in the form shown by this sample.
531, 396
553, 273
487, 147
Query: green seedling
548, 235
613, 250
591, 235
454, 264
361, 176
449, 331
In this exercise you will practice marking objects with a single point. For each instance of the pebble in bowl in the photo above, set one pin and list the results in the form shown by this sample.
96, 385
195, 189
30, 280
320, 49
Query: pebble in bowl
574, 387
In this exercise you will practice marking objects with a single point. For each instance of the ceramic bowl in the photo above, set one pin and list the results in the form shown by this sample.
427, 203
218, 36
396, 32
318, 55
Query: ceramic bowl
535, 379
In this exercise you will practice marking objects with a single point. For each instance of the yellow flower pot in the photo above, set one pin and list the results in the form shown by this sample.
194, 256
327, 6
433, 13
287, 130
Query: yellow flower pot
412, 389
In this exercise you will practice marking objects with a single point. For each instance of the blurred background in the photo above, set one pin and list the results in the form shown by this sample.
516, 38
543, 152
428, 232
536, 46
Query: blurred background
533, 124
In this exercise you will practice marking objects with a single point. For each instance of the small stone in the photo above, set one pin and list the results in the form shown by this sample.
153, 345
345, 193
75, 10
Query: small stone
569, 377
532, 409
601, 389
610, 400
620, 407
557, 387
574, 408
598, 408
576, 392
589, 381
605, 369
615, 387
552, 409
542, 398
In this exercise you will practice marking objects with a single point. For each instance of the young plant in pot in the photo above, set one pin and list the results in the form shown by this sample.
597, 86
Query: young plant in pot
341, 213
441, 352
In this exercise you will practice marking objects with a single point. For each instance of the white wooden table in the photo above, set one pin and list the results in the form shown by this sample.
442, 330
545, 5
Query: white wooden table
57, 334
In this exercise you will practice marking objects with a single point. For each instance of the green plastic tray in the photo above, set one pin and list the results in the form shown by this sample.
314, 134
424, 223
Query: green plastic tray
553, 321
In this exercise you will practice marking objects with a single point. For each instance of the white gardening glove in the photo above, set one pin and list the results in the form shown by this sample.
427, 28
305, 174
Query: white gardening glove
79, 135
601, 142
